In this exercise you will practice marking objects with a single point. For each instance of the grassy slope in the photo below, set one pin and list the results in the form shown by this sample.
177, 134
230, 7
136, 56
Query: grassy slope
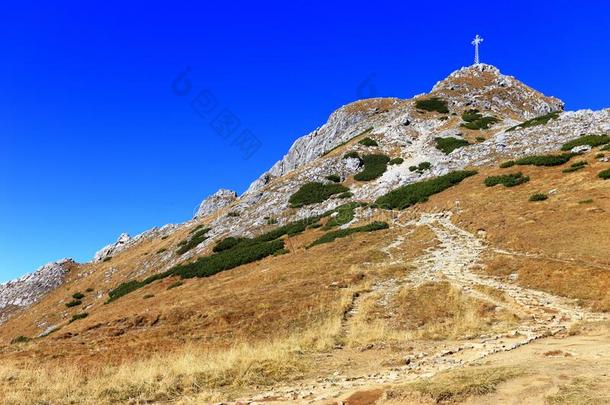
295, 292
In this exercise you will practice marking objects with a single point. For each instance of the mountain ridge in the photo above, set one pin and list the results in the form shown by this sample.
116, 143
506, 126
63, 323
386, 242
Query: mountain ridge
482, 85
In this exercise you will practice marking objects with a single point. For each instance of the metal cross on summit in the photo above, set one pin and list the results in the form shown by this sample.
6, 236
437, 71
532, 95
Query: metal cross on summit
476, 41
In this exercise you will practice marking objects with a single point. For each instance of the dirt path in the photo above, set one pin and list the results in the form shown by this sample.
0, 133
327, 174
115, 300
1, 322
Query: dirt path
451, 260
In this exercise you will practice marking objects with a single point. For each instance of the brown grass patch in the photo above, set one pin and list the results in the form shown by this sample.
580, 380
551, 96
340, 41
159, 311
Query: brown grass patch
591, 285
581, 391
191, 371
440, 311
456, 385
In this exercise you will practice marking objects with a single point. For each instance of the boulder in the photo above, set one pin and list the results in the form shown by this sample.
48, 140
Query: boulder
216, 201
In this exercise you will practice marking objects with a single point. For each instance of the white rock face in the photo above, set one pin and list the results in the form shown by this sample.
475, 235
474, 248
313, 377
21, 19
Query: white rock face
32, 287
125, 241
109, 250
341, 126
216, 201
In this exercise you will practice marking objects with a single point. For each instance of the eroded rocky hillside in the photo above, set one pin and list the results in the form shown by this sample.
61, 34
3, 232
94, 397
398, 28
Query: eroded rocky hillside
341, 253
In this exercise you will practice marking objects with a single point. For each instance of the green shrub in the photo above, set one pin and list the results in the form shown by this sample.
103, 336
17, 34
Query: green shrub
599, 156
545, 160
76, 317
345, 214
281, 252
396, 161
606, 147
507, 164
591, 140
175, 284
239, 255
342, 233
604, 174
314, 226
228, 243
474, 120
575, 166
206, 266
449, 144
471, 115
20, 339
538, 197
334, 178
73, 303
196, 238
432, 104
414, 193
313, 193
589, 201
78, 296
347, 194
198, 227
161, 250
374, 167
107, 259
508, 180
541, 120
480, 139
368, 142
147, 296
89, 290
353, 155
421, 167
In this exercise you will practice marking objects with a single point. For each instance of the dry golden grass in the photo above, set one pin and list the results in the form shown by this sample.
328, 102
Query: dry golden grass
439, 311
491, 291
581, 391
188, 372
456, 385
579, 281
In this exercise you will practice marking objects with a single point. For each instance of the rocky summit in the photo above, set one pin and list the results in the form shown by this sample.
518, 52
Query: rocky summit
404, 245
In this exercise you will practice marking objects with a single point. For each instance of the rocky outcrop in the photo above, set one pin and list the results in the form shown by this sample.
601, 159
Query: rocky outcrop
125, 241
109, 250
341, 127
485, 88
216, 201
30, 288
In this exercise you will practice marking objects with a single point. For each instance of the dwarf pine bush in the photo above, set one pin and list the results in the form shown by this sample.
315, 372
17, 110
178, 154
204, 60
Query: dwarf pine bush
195, 239
432, 104
374, 167
545, 160
368, 142
604, 174
591, 140
334, 178
449, 144
538, 197
313, 193
411, 194
508, 180
541, 120
342, 233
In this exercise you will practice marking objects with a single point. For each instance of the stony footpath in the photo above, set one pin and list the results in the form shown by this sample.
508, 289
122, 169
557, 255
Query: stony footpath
452, 260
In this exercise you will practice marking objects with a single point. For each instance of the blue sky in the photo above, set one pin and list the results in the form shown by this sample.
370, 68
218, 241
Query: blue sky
94, 141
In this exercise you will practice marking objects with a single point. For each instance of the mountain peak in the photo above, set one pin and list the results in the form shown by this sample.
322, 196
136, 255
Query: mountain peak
484, 87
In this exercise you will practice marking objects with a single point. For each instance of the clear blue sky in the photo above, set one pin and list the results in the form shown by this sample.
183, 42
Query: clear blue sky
94, 142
